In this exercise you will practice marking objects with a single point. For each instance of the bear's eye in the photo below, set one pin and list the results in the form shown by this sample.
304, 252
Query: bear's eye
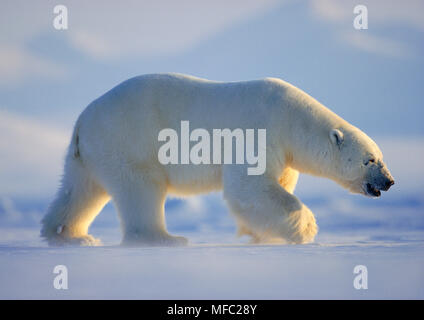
369, 161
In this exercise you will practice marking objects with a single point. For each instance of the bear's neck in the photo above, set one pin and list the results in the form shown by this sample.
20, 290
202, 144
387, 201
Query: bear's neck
309, 146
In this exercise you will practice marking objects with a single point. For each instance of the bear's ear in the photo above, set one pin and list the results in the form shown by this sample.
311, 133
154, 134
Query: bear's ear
336, 137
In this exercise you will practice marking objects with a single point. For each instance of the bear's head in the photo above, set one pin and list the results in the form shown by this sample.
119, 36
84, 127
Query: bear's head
358, 162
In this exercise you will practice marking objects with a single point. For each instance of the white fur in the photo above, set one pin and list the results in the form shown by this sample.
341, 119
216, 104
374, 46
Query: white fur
113, 154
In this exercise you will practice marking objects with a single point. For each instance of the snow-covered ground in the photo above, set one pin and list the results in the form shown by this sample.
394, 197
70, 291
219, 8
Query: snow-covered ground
385, 235
214, 267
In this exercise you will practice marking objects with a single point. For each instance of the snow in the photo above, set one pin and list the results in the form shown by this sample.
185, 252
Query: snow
215, 270
385, 235
213, 266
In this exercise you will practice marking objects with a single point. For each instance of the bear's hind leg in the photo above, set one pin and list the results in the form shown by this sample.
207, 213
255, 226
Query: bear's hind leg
77, 203
140, 200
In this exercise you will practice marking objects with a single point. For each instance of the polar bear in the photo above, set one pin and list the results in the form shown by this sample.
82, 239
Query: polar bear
113, 154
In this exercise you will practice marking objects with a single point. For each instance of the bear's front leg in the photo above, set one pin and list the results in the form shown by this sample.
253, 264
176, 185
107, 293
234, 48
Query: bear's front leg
262, 206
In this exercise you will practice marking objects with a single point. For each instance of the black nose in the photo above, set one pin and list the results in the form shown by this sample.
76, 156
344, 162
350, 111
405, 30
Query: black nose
389, 183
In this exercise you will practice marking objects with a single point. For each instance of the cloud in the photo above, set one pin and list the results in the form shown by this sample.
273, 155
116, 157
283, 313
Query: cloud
17, 64
404, 155
112, 30
8, 213
381, 14
378, 45
331, 10
20, 22
31, 156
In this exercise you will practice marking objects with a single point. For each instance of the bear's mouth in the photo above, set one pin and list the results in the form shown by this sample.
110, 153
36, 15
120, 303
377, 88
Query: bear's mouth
372, 190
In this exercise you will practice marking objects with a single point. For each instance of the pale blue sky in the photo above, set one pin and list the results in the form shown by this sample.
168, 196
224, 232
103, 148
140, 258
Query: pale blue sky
373, 78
